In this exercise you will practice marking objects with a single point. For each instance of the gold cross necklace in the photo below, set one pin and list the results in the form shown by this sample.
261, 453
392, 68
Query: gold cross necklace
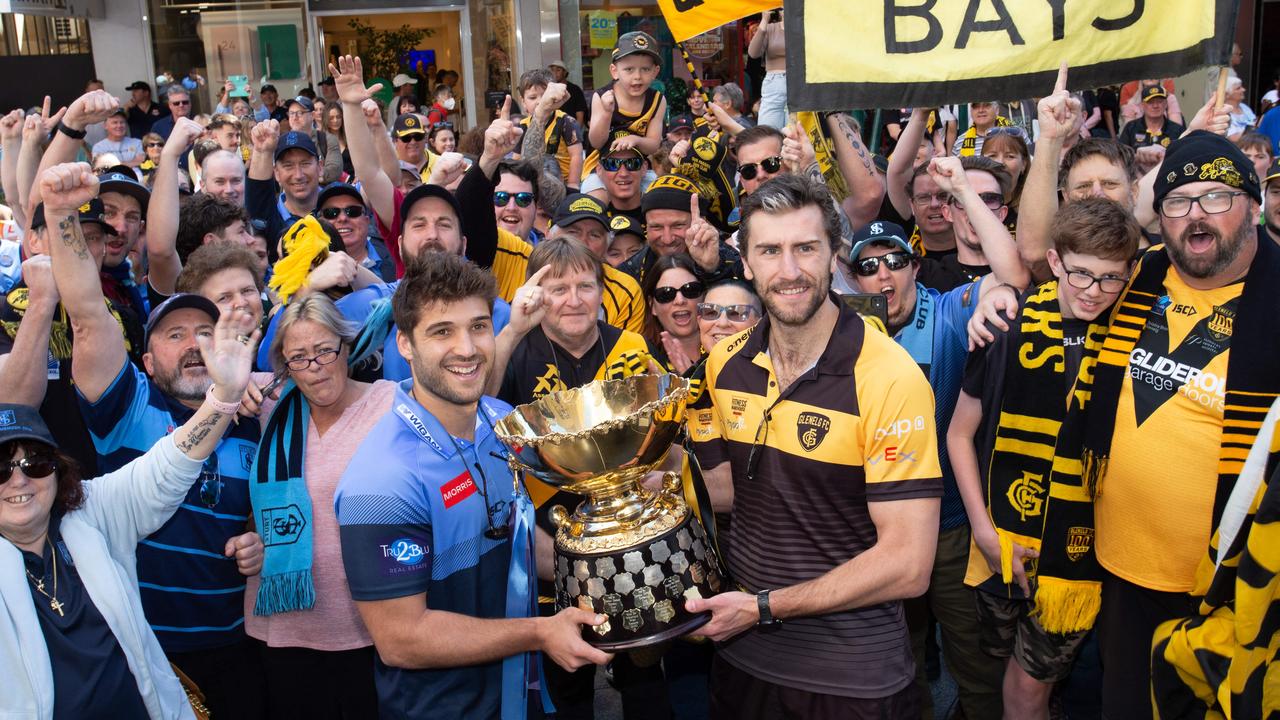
39, 582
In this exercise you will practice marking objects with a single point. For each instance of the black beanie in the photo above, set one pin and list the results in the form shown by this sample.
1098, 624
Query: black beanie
1203, 156
670, 192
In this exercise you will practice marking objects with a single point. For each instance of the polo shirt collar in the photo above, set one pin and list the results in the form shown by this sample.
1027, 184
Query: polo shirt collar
425, 425
837, 358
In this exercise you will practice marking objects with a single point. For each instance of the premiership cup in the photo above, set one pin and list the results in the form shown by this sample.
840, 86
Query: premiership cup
628, 553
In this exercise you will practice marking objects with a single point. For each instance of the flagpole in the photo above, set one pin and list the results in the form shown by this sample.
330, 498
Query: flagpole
688, 62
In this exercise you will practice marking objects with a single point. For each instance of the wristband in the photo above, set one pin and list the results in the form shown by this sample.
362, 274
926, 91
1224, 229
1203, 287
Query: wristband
73, 134
218, 406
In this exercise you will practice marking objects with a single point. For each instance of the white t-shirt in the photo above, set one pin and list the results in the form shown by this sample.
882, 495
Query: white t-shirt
127, 149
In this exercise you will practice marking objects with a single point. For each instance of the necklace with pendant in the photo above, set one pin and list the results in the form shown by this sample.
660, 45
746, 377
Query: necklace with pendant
54, 603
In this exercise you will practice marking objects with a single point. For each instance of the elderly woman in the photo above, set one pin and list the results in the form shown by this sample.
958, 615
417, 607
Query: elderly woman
73, 639
318, 655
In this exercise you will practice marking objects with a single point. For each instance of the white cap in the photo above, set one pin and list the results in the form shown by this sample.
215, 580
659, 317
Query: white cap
403, 79
558, 63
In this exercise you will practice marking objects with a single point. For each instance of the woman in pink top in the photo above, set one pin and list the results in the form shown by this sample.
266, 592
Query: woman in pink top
319, 660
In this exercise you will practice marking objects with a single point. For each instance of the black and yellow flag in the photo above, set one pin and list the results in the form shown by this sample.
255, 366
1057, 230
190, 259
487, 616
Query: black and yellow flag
925, 53
687, 18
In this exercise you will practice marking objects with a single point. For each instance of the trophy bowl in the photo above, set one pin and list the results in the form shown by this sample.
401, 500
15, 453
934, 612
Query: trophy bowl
626, 552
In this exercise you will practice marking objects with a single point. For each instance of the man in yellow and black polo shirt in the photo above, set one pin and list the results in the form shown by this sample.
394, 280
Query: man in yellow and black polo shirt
822, 441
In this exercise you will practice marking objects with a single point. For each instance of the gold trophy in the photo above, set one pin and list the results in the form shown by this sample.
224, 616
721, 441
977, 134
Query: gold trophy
625, 552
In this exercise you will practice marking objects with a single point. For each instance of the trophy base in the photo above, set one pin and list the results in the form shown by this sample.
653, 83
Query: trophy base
641, 589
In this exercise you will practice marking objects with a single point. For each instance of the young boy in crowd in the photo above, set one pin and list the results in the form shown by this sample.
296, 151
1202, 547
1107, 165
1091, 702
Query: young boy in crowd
1001, 440
627, 114
563, 134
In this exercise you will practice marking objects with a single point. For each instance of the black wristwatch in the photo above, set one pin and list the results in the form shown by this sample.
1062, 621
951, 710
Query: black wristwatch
73, 134
766, 615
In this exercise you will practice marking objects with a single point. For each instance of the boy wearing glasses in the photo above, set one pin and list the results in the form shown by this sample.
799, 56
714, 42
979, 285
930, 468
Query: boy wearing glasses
930, 325
1094, 241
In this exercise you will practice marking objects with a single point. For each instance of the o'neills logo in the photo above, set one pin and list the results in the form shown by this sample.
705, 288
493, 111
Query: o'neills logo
1079, 540
812, 428
458, 489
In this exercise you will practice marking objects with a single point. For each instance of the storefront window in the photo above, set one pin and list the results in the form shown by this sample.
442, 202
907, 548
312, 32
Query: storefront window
493, 47
219, 40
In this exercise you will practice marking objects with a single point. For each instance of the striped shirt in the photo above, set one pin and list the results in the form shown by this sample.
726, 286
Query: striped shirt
854, 429
192, 594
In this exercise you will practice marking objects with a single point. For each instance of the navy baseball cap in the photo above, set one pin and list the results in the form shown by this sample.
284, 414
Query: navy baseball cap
431, 191
305, 102
878, 231
90, 212
333, 190
23, 422
681, 122
125, 183
294, 140
180, 301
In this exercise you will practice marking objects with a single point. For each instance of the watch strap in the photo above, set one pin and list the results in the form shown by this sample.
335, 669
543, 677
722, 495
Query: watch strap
66, 130
766, 614
218, 406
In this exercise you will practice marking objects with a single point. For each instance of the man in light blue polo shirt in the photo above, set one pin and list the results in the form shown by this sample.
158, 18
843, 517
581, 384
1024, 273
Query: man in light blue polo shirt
435, 542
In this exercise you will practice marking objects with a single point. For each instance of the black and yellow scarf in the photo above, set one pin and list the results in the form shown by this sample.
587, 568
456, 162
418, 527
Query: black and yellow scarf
1031, 414
1069, 593
1217, 663
969, 142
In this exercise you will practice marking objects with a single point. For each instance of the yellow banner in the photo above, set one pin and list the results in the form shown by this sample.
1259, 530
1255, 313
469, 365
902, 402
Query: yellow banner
687, 18
932, 52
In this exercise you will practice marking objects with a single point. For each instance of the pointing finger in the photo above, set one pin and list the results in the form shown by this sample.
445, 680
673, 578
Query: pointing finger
1061, 84
694, 208
505, 112
536, 278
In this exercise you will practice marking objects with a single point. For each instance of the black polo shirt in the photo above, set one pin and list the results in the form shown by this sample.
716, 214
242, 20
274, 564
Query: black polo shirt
91, 676
1135, 133
806, 462
140, 121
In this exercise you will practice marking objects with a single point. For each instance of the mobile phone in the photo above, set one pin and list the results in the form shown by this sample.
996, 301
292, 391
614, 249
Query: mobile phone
775, 15
869, 305
240, 86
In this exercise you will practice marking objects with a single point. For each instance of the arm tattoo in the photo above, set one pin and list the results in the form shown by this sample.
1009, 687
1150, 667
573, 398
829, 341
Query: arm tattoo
534, 145
198, 434
72, 236
856, 142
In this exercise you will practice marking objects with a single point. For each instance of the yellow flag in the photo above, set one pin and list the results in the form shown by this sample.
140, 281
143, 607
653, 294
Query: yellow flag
687, 18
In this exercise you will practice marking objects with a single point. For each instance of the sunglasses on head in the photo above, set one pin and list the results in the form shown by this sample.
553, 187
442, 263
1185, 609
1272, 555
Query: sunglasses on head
736, 313
351, 211
895, 260
691, 290
770, 165
32, 467
444, 124
612, 164
413, 137
502, 197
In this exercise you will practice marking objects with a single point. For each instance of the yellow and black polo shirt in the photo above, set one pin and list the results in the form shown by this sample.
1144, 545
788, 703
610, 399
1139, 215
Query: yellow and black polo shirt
856, 428
622, 302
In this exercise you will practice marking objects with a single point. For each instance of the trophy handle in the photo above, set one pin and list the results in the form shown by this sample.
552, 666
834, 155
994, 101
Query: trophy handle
672, 483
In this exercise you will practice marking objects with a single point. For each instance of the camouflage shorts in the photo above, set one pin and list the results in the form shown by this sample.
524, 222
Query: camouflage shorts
1007, 629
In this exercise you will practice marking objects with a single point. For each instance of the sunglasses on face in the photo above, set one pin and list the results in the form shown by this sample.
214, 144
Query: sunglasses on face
155, 144
691, 290
179, 102
502, 197
770, 165
351, 211
896, 260
612, 164
711, 312
210, 482
993, 200
413, 137
32, 467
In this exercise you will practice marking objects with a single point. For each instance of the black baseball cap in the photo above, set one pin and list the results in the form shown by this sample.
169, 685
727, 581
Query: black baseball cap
328, 80
294, 140
268, 88
90, 212
580, 206
681, 121
23, 422
125, 183
621, 224
431, 191
1151, 92
636, 42
338, 189
878, 231
139, 85
409, 124
1273, 172
302, 100
177, 302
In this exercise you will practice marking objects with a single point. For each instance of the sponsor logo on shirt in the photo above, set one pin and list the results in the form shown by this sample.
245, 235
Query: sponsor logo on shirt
405, 551
458, 489
1187, 310
418, 426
